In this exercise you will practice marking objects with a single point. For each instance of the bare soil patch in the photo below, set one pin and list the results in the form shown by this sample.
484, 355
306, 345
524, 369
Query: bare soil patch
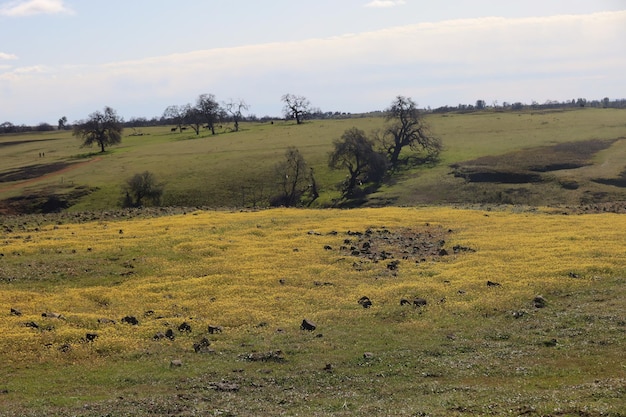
528, 165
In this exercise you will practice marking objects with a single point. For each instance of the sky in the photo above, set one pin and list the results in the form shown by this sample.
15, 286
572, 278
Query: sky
73, 57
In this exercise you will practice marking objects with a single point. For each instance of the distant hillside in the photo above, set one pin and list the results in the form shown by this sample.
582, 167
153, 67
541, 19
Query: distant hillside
573, 156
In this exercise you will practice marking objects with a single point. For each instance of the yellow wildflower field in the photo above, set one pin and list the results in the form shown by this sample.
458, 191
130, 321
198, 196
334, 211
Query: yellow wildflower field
277, 267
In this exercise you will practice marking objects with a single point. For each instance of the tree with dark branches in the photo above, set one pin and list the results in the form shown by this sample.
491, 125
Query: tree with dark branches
209, 109
235, 108
355, 152
296, 107
295, 179
103, 128
141, 188
407, 128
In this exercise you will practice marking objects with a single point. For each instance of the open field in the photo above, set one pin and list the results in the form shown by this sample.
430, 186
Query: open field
488, 158
545, 337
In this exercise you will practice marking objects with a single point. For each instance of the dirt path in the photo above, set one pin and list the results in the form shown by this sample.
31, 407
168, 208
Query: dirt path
46, 176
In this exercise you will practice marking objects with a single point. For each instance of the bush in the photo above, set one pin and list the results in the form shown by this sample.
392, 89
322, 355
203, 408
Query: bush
141, 189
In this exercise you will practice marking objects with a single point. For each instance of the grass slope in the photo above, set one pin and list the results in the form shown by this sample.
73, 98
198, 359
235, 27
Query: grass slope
234, 169
474, 349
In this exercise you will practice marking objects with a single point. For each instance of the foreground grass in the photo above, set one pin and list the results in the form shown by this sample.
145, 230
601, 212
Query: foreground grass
473, 349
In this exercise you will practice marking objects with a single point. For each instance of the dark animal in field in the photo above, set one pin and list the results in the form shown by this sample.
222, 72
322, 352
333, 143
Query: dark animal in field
173, 129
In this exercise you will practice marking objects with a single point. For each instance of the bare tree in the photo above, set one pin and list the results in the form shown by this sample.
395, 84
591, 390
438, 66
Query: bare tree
104, 128
234, 109
296, 107
406, 128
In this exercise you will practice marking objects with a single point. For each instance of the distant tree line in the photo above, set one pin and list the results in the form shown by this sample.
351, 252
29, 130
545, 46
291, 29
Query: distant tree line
605, 103
297, 108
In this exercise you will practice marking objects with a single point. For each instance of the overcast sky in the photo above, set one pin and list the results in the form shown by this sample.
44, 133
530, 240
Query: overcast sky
72, 57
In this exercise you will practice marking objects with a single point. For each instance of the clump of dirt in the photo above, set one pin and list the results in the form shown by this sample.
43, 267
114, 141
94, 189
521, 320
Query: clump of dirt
403, 244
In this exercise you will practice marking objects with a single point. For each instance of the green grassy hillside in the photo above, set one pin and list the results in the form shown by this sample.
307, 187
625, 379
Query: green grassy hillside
234, 169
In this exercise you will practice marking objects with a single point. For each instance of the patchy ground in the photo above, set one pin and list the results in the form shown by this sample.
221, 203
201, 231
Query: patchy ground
527, 166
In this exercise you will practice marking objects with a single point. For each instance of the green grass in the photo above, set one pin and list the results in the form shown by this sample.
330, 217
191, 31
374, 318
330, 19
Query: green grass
235, 169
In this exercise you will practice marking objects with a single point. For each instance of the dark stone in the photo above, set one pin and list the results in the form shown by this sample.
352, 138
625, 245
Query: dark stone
32, 324
393, 265
404, 302
308, 325
215, 329
158, 336
169, 333
202, 346
550, 343
539, 302
365, 302
419, 302
51, 315
225, 386
90, 337
15, 312
130, 320
493, 284
273, 355
184, 327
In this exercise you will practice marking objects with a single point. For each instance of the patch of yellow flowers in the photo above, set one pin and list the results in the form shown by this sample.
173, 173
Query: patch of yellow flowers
240, 269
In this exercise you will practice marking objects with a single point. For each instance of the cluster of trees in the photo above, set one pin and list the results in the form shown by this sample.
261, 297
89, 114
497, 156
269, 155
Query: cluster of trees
205, 112
367, 159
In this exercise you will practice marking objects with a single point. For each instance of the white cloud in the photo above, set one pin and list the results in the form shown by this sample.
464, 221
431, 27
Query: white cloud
32, 7
450, 62
6, 56
385, 3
